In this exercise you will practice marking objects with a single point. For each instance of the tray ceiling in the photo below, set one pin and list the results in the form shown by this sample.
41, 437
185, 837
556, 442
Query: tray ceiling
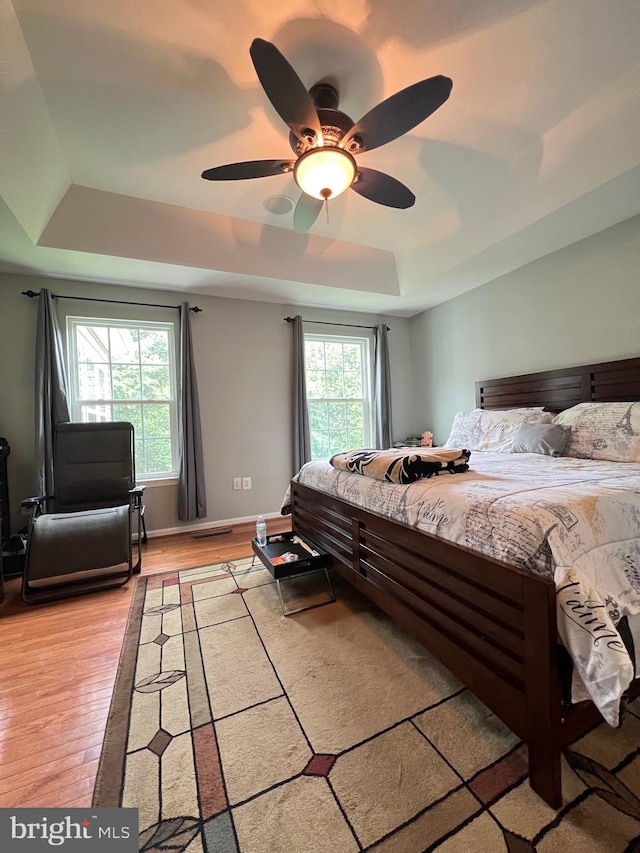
113, 109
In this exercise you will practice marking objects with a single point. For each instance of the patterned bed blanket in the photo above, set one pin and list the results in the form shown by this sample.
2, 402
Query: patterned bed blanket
576, 521
402, 466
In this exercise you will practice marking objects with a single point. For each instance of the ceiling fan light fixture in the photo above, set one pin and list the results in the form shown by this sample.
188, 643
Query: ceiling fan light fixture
325, 172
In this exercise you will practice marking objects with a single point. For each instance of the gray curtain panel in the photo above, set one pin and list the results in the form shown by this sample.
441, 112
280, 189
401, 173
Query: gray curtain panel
192, 498
382, 389
301, 439
50, 389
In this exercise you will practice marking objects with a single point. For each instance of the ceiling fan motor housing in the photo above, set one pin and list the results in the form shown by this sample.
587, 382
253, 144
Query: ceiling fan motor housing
334, 123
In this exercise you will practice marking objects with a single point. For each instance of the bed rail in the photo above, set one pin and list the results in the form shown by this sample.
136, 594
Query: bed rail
492, 625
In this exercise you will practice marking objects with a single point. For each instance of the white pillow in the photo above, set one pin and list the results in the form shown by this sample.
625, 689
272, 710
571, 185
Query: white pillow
608, 431
485, 429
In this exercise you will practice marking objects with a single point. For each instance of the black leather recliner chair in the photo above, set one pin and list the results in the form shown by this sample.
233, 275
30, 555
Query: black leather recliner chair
80, 537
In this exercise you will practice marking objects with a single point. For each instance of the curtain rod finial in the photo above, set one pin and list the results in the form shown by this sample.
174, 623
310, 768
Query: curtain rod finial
196, 310
30, 293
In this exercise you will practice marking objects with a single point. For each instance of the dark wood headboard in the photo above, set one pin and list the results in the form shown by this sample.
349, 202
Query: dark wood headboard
557, 390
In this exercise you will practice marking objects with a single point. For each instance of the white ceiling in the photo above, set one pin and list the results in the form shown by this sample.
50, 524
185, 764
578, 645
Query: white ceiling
112, 109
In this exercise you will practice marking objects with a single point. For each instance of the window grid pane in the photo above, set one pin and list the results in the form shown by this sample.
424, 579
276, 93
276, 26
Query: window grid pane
94, 381
125, 380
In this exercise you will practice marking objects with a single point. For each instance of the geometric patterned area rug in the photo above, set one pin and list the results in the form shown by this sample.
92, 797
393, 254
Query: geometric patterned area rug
234, 729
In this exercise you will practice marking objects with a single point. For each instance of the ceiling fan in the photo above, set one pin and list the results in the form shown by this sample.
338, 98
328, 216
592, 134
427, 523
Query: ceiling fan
325, 141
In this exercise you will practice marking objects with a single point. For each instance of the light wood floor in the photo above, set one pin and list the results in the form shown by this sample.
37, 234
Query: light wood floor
58, 663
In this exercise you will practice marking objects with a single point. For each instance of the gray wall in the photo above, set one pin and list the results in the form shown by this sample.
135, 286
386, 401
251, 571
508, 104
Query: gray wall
243, 357
575, 306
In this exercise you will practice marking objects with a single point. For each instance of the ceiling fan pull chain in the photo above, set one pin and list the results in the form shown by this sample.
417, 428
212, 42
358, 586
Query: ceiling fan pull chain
326, 204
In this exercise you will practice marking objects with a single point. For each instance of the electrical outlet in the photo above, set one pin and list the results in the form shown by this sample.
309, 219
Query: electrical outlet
237, 482
246, 482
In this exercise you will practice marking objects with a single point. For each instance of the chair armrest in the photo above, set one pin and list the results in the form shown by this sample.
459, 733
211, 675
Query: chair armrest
36, 505
135, 495
36, 501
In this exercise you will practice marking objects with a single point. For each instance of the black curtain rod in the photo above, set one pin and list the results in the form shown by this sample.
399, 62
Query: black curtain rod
33, 293
327, 323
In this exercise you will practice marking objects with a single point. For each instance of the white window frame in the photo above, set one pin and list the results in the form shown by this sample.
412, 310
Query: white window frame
364, 342
76, 402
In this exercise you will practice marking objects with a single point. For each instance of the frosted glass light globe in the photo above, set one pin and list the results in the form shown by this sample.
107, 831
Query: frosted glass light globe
325, 172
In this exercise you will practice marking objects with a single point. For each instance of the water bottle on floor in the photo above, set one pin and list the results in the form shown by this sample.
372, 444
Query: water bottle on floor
261, 531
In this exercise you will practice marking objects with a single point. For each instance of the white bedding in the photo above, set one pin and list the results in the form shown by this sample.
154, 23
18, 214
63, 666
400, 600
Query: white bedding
574, 520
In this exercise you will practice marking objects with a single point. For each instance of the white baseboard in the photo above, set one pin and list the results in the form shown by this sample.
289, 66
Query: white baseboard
210, 525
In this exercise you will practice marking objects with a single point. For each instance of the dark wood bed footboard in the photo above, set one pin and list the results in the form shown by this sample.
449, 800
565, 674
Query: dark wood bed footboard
492, 625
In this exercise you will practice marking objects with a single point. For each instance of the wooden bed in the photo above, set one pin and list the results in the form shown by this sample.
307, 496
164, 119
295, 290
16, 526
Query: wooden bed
491, 624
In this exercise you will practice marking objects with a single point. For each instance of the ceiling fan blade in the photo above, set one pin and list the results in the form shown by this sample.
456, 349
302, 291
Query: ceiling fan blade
383, 189
306, 212
400, 113
284, 88
249, 169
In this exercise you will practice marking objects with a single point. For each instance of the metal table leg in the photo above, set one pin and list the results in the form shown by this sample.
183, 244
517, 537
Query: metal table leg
330, 600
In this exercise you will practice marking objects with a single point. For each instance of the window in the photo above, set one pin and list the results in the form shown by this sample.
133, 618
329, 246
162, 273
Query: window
338, 393
125, 371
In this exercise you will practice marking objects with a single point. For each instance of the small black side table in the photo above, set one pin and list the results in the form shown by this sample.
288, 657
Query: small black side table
309, 560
